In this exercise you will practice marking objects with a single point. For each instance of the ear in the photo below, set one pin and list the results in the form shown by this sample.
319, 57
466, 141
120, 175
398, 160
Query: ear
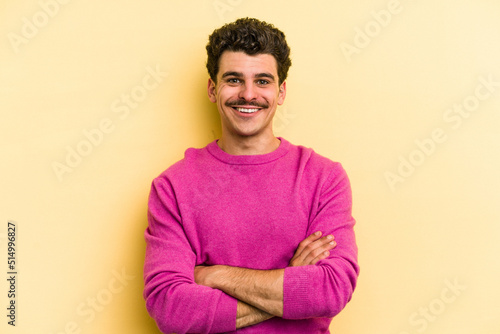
282, 93
211, 91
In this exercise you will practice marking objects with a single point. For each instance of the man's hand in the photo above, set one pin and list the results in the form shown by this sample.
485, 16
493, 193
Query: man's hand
246, 315
202, 275
260, 292
309, 252
262, 289
312, 249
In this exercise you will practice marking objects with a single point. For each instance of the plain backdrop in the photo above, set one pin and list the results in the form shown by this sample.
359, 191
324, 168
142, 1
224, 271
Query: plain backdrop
99, 97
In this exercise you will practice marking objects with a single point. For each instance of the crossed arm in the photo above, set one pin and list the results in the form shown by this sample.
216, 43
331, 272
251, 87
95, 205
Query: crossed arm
260, 292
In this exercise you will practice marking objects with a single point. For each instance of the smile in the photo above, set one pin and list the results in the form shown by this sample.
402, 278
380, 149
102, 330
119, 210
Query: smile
247, 110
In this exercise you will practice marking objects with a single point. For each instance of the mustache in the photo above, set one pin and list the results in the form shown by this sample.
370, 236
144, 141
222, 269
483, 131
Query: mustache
243, 102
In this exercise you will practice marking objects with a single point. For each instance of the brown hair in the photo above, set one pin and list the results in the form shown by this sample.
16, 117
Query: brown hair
252, 37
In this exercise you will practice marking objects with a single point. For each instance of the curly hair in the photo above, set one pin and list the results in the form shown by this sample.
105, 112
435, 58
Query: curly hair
251, 36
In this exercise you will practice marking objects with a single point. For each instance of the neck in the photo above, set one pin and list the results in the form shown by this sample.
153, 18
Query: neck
248, 145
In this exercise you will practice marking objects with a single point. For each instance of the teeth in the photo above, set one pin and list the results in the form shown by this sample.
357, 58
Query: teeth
245, 110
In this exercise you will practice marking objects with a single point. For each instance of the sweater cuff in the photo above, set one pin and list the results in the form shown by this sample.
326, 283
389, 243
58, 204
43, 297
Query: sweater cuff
225, 314
296, 292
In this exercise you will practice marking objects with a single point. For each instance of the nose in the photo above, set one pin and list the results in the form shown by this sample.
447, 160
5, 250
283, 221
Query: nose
248, 92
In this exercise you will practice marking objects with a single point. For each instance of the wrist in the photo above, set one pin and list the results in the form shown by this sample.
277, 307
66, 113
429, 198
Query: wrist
215, 276
210, 276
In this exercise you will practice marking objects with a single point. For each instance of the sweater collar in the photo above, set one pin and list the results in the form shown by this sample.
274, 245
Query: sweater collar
258, 159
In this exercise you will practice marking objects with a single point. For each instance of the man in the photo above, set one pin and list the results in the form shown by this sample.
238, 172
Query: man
250, 233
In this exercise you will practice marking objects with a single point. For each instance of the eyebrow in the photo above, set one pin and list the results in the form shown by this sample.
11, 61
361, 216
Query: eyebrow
239, 75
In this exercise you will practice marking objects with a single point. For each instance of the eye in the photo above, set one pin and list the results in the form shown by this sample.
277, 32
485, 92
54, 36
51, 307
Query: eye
233, 80
262, 82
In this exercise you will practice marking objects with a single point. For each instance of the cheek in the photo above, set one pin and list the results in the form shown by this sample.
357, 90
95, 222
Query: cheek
220, 96
225, 93
272, 99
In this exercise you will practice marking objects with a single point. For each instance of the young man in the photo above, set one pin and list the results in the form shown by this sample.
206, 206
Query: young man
250, 233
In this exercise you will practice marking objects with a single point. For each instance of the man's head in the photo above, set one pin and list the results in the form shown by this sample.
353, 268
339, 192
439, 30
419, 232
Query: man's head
248, 61
252, 37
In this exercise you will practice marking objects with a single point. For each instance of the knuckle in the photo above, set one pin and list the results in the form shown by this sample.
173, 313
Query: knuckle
310, 247
327, 239
317, 252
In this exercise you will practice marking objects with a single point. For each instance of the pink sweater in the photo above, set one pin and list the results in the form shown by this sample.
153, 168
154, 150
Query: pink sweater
248, 211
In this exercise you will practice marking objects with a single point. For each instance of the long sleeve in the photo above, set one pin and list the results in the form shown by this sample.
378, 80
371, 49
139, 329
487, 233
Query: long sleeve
323, 290
173, 299
212, 208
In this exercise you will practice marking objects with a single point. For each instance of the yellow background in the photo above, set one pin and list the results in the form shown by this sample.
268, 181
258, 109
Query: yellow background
80, 241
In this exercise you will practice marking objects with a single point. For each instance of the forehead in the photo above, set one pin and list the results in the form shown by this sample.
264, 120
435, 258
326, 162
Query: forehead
241, 62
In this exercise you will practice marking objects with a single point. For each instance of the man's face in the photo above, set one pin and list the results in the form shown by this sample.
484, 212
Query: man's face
247, 93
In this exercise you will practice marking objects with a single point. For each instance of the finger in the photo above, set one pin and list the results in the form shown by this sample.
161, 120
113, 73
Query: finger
313, 237
304, 247
319, 252
304, 243
313, 249
323, 255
